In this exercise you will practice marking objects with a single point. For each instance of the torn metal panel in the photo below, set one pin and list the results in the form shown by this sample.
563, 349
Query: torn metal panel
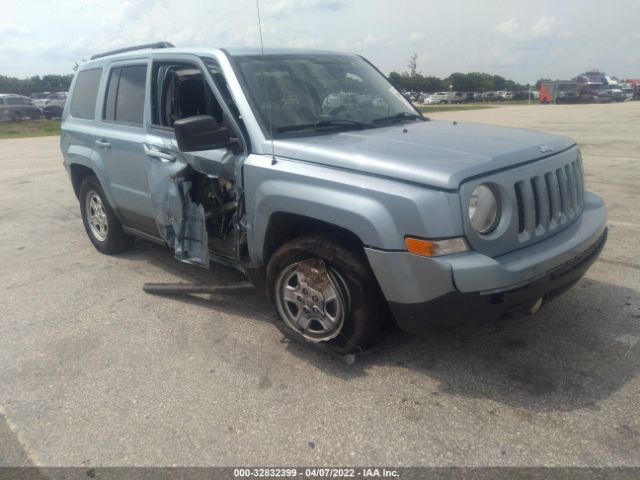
179, 220
214, 163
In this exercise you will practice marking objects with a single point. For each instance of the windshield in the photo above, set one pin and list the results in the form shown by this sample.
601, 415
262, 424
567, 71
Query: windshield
309, 93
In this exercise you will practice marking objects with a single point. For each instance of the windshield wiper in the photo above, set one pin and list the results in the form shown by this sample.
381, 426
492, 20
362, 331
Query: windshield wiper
398, 117
324, 123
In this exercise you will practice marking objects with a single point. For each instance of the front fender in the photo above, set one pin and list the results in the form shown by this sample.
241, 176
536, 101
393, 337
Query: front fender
379, 211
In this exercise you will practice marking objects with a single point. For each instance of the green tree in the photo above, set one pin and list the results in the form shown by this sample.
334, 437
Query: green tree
413, 65
461, 82
35, 84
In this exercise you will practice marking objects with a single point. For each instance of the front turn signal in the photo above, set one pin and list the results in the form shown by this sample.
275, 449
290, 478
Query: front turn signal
435, 248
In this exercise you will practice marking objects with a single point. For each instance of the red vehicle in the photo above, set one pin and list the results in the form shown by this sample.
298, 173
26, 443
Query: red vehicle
559, 92
636, 87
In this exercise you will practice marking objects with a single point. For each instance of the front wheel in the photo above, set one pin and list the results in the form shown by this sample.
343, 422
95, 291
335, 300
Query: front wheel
100, 222
325, 293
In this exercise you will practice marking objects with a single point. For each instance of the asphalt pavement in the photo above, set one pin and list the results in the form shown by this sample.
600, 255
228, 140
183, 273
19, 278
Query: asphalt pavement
93, 371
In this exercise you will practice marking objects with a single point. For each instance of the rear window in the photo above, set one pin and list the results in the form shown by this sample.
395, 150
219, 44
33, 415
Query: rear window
85, 93
124, 102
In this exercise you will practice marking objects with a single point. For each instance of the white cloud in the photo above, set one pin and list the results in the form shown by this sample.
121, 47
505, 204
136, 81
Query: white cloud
500, 57
79, 4
545, 27
508, 27
128, 10
373, 40
496, 37
290, 7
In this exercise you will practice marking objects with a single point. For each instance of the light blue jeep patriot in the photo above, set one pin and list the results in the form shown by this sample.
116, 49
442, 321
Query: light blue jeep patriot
309, 172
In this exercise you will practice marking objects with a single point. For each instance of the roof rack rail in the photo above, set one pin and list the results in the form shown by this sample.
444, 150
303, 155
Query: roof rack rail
130, 49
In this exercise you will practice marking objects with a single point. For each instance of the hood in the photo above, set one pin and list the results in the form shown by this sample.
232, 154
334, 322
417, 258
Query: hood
441, 154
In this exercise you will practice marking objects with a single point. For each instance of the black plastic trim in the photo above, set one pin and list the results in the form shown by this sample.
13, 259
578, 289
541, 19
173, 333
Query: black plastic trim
457, 308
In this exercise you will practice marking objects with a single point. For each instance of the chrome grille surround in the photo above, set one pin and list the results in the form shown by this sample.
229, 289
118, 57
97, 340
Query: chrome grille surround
538, 199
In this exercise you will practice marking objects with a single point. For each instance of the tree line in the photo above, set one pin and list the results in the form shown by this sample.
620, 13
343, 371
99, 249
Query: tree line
414, 81
35, 84
407, 81
459, 82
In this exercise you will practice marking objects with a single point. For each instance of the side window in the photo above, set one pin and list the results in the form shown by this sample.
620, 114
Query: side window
85, 93
180, 91
124, 101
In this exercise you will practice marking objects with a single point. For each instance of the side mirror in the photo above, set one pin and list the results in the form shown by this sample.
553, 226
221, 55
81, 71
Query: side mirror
201, 132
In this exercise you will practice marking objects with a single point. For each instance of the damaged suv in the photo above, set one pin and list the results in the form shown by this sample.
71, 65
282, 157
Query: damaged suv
309, 172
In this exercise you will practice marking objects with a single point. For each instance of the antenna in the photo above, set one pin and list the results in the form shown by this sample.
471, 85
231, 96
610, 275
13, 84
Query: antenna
266, 89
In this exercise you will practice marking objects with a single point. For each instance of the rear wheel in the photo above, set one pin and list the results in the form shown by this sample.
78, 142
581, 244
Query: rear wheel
325, 293
100, 222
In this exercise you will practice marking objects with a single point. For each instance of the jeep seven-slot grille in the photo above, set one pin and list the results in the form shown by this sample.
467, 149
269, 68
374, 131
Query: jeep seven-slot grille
547, 201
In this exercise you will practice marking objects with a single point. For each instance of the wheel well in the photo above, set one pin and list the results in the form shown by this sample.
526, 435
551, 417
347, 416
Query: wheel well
78, 174
287, 226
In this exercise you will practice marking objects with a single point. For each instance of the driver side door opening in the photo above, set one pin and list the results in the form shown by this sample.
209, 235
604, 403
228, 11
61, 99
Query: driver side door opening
195, 197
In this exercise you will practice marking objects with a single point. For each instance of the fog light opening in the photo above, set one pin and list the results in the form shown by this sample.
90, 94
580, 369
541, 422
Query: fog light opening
536, 306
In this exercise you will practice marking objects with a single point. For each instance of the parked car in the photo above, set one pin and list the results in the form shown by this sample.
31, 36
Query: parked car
431, 99
39, 99
604, 95
590, 81
627, 90
54, 106
521, 95
39, 96
340, 216
456, 97
559, 92
504, 95
17, 107
443, 97
469, 97
490, 96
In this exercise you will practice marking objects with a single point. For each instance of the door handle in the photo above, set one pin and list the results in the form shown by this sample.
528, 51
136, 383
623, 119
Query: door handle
102, 143
154, 152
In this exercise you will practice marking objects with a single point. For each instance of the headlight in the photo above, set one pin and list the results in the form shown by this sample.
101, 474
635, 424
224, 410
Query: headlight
484, 209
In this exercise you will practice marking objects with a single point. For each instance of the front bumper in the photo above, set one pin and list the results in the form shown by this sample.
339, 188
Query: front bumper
460, 308
472, 286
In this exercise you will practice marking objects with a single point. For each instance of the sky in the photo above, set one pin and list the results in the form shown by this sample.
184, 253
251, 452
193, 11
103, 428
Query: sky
521, 40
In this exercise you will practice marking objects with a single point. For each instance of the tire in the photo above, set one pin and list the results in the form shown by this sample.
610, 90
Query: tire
318, 272
100, 222
15, 117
